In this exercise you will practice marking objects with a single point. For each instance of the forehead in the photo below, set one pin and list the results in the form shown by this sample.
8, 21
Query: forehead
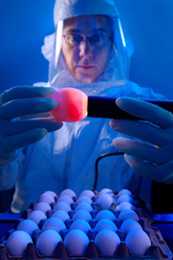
87, 23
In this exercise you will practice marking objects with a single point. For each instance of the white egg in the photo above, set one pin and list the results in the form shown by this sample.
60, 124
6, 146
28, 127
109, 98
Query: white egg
128, 225
68, 192
124, 191
107, 214
69, 200
82, 214
76, 242
47, 242
137, 242
85, 206
124, 205
61, 214
43, 206
49, 193
104, 201
107, 241
88, 193
27, 225
55, 224
105, 224
47, 198
17, 243
84, 199
128, 213
37, 216
62, 205
80, 224
106, 190
124, 198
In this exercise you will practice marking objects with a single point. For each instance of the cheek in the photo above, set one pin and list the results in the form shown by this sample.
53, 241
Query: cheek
75, 56
71, 57
102, 59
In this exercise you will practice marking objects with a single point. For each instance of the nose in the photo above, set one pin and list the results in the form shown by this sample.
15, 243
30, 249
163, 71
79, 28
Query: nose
85, 47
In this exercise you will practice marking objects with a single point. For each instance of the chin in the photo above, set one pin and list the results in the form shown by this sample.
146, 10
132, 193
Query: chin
86, 78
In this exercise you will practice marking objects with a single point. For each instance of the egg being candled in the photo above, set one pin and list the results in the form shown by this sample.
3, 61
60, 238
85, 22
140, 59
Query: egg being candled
72, 104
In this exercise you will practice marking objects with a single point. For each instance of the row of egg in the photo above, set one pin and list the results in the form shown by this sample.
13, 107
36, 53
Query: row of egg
105, 228
105, 198
83, 203
76, 240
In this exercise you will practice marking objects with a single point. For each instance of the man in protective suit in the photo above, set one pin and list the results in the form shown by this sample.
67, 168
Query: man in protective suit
87, 51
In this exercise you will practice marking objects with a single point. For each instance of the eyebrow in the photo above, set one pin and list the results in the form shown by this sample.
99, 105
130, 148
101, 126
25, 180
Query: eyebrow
75, 30
72, 30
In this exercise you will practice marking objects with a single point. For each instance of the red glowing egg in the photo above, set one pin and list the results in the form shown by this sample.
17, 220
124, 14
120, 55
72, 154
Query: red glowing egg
72, 105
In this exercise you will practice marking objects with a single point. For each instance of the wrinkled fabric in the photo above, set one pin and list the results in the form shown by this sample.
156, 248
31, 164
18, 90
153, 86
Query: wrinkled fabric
65, 9
66, 158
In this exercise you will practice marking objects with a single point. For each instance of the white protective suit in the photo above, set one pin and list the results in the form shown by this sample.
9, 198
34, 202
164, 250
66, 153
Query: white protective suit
66, 158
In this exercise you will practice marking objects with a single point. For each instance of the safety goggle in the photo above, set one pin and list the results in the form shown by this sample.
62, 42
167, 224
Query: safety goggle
98, 38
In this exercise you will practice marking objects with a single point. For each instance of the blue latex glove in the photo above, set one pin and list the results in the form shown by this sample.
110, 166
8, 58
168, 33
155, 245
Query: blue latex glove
21, 122
149, 146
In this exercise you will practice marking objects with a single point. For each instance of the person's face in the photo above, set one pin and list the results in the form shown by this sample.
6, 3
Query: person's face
86, 46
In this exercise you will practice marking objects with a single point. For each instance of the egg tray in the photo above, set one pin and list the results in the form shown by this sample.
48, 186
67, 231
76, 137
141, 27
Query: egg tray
91, 253
158, 250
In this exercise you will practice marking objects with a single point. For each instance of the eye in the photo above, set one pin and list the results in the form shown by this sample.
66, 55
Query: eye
74, 38
95, 38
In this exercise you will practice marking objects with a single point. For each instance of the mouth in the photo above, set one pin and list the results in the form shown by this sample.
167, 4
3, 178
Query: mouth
86, 66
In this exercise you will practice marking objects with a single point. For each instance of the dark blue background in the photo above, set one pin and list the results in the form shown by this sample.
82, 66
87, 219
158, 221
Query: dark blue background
23, 25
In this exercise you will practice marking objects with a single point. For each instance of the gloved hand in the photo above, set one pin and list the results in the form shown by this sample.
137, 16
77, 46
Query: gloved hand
149, 147
18, 128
